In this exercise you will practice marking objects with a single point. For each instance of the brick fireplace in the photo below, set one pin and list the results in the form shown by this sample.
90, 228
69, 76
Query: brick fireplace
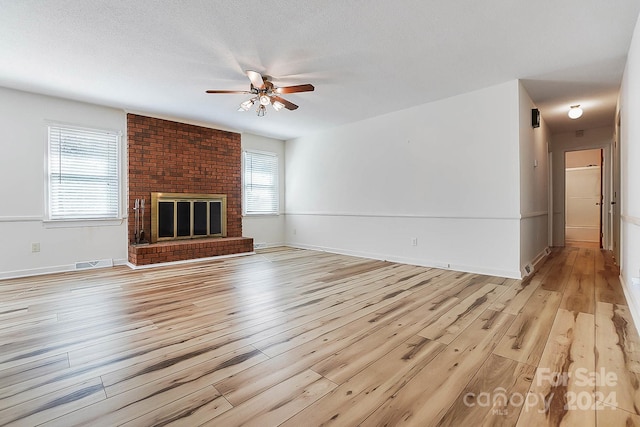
172, 157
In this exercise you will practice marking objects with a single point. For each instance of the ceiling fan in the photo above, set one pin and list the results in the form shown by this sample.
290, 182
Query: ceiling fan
265, 93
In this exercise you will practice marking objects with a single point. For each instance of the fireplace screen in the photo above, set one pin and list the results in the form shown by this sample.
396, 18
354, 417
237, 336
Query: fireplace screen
187, 216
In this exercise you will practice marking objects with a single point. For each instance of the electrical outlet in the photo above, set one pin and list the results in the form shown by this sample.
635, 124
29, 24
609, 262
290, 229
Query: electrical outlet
35, 247
414, 241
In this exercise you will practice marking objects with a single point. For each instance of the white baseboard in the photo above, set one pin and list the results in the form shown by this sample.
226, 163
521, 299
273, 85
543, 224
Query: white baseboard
412, 261
186, 261
49, 270
631, 302
265, 245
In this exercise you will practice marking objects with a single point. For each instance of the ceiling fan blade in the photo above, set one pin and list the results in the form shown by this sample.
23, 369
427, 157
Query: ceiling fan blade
228, 91
288, 105
295, 89
256, 79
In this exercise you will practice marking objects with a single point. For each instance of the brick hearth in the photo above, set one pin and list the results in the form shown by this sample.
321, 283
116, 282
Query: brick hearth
181, 250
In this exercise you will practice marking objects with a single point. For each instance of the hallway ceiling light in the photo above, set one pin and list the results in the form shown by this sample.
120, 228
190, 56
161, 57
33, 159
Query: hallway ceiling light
575, 112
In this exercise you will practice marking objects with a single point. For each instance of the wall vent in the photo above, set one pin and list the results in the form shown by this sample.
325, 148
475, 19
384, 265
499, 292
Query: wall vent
579, 133
84, 265
441, 265
259, 245
528, 269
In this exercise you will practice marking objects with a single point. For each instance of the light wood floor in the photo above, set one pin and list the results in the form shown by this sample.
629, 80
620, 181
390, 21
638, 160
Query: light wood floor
581, 244
301, 338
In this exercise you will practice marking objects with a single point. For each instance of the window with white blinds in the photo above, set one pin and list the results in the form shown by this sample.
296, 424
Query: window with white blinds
82, 173
260, 183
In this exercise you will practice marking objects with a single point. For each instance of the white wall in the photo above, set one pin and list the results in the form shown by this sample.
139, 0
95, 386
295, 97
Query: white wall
630, 174
534, 184
23, 120
266, 230
560, 144
445, 173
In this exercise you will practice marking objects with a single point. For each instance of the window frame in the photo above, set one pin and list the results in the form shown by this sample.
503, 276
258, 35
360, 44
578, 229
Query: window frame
71, 221
276, 184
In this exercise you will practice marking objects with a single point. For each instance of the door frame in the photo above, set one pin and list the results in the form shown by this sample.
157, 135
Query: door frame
600, 202
600, 138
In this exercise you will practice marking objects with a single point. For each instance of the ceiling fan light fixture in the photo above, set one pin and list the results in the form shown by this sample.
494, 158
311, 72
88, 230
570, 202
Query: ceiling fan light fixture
265, 99
246, 105
575, 112
264, 92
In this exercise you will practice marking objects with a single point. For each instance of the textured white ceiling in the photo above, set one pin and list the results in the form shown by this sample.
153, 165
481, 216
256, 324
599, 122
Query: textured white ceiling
365, 58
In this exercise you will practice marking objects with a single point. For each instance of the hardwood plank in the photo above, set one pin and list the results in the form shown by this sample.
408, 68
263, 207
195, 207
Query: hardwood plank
557, 386
43, 346
348, 361
36, 369
559, 273
617, 358
493, 396
582, 244
579, 294
188, 352
448, 326
194, 409
515, 297
361, 267
220, 363
617, 418
141, 401
279, 403
526, 338
607, 284
329, 348
287, 340
25, 322
303, 333
51, 406
150, 344
447, 375
357, 397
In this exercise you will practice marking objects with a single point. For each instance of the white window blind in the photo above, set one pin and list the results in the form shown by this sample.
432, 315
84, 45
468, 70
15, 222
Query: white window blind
260, 187
83, 173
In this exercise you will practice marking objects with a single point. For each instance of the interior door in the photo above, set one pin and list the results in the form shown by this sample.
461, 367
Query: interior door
583, 197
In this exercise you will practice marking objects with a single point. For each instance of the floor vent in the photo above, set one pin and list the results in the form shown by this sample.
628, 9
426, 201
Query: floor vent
259, 245
94, 264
